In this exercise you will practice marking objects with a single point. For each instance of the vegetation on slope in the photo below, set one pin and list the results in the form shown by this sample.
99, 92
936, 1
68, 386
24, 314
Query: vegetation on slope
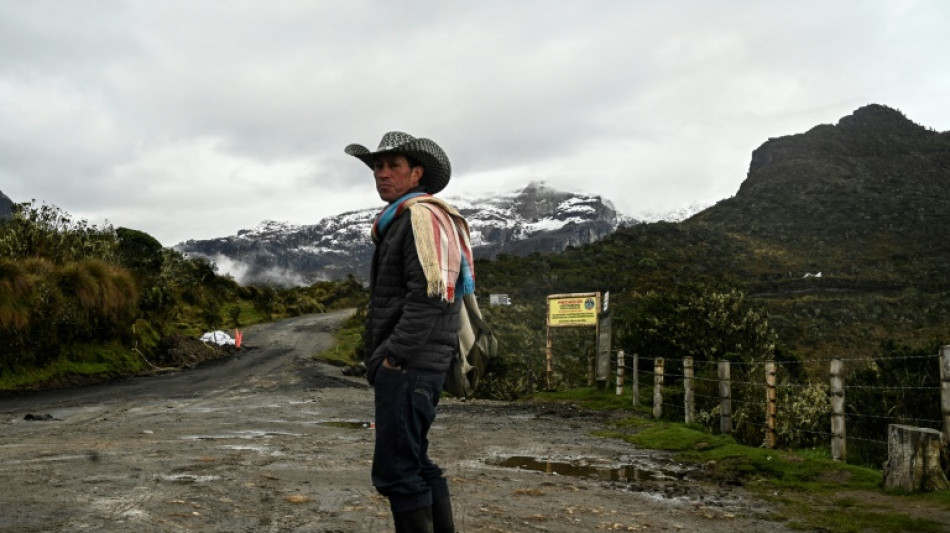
861, 202
81, 300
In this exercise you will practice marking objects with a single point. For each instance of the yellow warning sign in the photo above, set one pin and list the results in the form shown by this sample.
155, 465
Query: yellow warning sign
573, 309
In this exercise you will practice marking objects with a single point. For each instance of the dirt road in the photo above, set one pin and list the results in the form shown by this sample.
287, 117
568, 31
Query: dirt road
269, 440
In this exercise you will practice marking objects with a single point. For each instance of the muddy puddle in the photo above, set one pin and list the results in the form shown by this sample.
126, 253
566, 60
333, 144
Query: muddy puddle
348, 424
245, 434
588, 468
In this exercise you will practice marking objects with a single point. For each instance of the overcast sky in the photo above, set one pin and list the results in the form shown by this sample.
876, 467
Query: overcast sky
194, 119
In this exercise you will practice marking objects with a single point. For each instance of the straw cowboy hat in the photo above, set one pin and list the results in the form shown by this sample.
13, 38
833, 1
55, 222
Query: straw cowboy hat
425, 151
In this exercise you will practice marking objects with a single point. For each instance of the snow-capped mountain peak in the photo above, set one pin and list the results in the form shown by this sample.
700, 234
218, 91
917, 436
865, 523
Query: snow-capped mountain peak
535, 218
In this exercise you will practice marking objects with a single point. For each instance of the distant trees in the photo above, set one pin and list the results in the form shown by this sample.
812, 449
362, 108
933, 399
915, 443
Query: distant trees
519, 368
141, 253
696, 321
49, 232
710, 325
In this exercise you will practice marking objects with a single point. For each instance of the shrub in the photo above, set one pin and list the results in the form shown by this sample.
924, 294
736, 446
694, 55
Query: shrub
803, 416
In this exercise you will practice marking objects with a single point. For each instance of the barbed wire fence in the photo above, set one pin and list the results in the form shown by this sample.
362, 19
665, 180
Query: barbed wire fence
764, 402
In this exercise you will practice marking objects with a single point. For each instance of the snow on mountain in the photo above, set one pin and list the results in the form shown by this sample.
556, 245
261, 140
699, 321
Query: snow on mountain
499, 221
675, 215
536, 218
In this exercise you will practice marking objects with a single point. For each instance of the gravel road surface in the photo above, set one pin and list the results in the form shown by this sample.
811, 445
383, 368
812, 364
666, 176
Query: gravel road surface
268, 439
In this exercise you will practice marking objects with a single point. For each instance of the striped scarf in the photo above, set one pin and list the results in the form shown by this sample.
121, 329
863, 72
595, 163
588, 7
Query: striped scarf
442, 242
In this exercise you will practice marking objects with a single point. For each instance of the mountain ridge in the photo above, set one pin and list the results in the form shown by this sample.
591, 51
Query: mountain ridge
862, 201
6, 206
874, 179
535, 218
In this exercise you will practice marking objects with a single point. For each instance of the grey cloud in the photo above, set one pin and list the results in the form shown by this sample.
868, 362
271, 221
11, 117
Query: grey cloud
106, 104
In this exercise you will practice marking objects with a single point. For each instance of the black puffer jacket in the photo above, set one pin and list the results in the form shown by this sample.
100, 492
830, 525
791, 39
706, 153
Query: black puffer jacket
416, 330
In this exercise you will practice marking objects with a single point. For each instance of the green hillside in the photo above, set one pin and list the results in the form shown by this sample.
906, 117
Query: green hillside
862, 202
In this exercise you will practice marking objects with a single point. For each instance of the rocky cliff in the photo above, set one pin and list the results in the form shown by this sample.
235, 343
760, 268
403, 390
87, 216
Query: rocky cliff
875, 179
6, 206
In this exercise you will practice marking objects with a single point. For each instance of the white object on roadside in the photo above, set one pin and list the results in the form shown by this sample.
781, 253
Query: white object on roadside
218, 337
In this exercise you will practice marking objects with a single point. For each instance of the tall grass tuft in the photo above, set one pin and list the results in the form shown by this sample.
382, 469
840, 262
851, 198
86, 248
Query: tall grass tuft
15, 288
100, 287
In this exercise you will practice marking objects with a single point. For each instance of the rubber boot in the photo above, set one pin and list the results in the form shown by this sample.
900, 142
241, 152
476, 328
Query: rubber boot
442, 521
415, 521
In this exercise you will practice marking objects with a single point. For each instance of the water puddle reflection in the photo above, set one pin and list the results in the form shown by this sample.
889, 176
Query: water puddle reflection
584, 468
246, 434
347, 424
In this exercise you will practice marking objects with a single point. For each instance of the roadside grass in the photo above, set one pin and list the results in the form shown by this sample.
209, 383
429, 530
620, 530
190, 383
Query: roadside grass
246, 314
593, 398
83, 361
348, 338
811, 491
192, 320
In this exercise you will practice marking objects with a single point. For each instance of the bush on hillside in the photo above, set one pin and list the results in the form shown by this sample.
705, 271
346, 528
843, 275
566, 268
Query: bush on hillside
69, 290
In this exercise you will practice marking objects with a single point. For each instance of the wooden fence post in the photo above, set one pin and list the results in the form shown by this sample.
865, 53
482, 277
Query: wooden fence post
688, 395
725, 399
658, 387
839, 451
620, 372
549, 375
771, 407
636, 380
945, 390
602, 361
590, 369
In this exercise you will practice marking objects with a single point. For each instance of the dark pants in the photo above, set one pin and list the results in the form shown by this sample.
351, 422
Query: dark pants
405, 410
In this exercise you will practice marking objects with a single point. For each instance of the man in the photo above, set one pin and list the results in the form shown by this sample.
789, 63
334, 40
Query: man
421, 267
